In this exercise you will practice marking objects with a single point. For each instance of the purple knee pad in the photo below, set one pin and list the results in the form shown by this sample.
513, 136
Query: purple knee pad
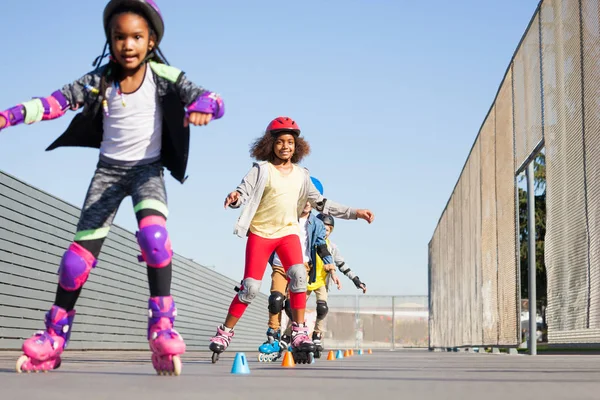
208, 103
155, 246
61, 322
160, 307
75, 267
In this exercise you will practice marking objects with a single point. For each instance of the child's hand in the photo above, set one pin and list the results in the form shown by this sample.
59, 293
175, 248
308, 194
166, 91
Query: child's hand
231, 198
337, 281
363, 287
367, 215
196, 118
329, 267
2, 122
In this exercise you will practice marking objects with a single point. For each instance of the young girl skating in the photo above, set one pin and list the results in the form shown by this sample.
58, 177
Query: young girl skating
274, 193
137, 111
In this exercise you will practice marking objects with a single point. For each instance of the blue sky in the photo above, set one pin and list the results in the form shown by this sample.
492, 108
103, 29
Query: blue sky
390, 95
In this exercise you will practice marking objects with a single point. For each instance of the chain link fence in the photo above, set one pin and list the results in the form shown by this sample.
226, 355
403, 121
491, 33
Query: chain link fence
547, 99
374, 322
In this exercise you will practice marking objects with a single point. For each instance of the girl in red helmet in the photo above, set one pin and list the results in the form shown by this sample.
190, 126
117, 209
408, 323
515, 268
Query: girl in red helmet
137, 111
274, 193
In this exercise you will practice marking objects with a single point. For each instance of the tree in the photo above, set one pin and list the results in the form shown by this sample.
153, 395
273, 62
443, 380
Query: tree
539, 168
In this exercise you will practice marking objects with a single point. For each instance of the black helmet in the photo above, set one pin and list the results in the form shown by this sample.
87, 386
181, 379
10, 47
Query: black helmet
327, 219
147, 7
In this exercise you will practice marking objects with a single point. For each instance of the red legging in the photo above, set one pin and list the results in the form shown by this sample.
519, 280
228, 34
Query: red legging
258, 252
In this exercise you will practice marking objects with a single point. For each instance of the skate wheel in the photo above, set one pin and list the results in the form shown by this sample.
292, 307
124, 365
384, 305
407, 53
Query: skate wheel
311, 358
20, 361
177, 365
261, 357
215, 357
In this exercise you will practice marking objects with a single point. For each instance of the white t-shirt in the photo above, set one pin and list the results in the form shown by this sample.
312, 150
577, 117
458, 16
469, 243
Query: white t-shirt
133, 132
303, 242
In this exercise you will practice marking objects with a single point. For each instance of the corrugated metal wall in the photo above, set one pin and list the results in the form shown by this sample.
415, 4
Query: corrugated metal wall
35, 230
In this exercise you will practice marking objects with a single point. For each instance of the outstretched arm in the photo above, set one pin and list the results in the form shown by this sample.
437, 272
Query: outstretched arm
202, 105
334, 209
344, 269
241, 194
35, 110
54, 106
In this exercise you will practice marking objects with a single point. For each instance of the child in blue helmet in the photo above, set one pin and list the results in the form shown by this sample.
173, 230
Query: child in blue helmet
137, 111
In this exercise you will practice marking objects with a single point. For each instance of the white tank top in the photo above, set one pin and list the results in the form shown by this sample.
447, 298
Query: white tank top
132, 132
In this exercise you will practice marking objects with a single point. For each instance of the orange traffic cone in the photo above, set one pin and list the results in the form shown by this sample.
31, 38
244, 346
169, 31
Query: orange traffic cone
351, 352
288, 360
330, 356
346, 353
370, 351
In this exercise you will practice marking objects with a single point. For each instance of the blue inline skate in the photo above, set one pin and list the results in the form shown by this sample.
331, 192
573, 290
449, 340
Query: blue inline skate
271, 349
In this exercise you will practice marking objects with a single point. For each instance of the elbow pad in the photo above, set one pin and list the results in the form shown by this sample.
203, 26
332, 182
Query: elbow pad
323, 251
37, 109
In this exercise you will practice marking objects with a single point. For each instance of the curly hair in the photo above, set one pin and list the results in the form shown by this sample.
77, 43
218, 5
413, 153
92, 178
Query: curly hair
262, 148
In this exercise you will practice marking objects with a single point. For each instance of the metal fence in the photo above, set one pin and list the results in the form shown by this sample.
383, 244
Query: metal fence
376, 322
35, 230
548, 98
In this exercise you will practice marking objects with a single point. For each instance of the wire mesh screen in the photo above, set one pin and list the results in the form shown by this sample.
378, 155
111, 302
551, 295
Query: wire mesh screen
550, 96
591, 103
466, 275
528, 94
508, 294
489, 239
567, 258
474, 165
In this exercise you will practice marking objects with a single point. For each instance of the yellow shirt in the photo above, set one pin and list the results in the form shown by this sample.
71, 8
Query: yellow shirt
277, 214
321, 277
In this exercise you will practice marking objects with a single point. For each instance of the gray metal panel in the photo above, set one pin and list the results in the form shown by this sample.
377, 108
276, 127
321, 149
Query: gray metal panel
35, 230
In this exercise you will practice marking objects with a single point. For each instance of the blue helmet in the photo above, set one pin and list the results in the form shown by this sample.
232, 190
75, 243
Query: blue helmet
317, 184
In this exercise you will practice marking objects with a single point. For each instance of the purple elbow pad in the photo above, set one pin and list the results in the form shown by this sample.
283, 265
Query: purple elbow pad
13, 116
208, 103
54, 105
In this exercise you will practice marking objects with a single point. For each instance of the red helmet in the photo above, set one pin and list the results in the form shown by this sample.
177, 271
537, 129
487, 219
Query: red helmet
283, 124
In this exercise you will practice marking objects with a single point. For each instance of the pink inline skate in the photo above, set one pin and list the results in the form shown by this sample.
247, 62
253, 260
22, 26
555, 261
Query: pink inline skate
42, 351
303, 349
220, 342
165, 342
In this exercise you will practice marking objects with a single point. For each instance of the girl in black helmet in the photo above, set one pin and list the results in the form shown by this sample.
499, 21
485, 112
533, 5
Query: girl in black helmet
137, 111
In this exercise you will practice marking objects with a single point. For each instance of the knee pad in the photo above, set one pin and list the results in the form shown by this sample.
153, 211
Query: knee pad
276, 302
249, 290
154, 242
288, 308
322, 309
75, 267
297, 277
